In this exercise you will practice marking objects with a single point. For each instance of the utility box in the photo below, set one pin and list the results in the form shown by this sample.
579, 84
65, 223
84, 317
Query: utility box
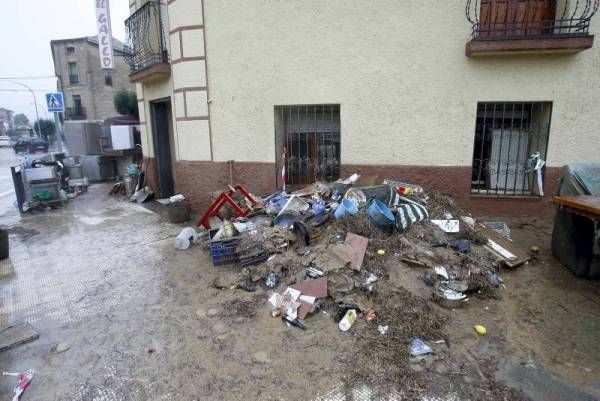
98, 168
122, 136
83, 137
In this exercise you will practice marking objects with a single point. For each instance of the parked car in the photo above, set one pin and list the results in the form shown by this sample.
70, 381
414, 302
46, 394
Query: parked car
5, 141
31, 145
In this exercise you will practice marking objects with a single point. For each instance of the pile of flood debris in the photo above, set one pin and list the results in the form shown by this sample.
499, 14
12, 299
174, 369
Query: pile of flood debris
329, 242
331, 247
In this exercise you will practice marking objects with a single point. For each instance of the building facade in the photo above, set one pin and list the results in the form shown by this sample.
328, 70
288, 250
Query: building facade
420, 91
88, 89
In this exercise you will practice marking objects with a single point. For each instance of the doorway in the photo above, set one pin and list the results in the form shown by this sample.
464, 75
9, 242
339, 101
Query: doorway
162, 134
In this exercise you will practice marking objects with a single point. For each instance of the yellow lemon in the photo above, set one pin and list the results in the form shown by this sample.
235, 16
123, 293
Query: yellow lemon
480, 330
381, 252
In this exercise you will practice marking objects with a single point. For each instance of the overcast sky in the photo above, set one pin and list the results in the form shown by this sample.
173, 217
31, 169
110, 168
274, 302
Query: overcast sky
26, 28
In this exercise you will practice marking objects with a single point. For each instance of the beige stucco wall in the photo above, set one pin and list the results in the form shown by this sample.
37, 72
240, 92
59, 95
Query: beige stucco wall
186, 87
407, 92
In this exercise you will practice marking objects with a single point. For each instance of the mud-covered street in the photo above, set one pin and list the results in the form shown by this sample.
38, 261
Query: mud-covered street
123, 315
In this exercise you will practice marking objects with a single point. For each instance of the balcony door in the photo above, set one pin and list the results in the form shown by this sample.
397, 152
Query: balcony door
516, 17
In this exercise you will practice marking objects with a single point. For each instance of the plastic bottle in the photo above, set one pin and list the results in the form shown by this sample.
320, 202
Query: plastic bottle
348, 320
227, 229
185, 238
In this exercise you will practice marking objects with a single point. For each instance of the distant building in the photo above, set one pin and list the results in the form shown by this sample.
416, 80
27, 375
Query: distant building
6, 120
88, 89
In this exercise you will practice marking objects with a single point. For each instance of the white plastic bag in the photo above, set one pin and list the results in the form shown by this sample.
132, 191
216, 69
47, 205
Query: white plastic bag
185, 238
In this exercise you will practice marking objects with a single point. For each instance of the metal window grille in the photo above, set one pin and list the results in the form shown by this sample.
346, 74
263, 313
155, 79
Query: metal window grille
147, 41
506, 135
311, 137
514, 19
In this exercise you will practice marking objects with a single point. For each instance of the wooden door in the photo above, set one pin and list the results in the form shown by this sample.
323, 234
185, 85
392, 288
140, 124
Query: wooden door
516, 17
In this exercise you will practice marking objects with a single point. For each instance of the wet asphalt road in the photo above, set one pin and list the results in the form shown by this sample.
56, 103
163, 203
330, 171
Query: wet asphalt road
7, 193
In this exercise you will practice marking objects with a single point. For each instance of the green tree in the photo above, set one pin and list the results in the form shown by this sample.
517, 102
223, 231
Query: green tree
44, 127
125, 102
21, 119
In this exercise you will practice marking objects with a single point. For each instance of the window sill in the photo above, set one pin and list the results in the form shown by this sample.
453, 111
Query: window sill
504, 197
546, 45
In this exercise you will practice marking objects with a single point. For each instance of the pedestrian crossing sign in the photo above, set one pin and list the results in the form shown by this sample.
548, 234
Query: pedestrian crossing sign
55, 102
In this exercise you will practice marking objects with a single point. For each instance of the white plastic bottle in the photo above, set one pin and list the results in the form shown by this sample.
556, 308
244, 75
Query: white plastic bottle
348, 320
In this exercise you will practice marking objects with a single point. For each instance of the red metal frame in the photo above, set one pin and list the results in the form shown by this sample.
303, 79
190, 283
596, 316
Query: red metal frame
225, 197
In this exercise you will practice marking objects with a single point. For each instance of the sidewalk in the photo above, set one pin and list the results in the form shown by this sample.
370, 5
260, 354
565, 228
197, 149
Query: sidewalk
143, 321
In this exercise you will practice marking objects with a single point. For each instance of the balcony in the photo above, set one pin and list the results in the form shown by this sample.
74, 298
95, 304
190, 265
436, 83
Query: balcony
148, 55
529, 26
75, 113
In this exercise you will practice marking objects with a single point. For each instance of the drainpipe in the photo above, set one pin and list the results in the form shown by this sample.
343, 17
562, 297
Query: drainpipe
208, 98
230, 162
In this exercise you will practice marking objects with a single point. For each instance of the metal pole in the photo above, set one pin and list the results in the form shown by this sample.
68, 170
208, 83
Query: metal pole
43, 109
58, 132
37, 116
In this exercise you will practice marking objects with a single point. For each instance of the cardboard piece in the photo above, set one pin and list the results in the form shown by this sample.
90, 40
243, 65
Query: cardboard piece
352, 251
311, 290
315, 288
449, 226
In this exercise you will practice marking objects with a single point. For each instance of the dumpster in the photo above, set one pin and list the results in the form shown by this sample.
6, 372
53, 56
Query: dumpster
576, 231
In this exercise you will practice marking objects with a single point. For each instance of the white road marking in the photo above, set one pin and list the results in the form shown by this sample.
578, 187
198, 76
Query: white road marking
6, 193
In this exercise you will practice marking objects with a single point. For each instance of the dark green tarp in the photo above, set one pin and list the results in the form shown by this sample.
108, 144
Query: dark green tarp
579, 179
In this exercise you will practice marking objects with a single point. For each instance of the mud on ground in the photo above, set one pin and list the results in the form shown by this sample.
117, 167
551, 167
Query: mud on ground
145, 321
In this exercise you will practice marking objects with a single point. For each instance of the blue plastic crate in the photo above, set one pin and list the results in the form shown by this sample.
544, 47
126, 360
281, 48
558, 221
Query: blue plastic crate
223, 252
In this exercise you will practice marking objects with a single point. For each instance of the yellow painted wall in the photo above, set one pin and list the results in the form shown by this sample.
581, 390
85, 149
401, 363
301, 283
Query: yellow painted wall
408, 94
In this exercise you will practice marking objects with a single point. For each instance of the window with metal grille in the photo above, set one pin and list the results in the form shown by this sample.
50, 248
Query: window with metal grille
310, 137
73, 73
70, 50
507, 136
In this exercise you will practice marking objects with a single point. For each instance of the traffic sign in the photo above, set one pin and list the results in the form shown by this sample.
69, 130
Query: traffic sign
55, 102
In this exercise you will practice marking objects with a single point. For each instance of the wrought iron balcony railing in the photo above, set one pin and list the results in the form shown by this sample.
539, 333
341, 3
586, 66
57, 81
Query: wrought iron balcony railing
75, 113
146, 37
529, 19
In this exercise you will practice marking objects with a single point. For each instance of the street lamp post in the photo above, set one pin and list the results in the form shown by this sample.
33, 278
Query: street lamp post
37, 116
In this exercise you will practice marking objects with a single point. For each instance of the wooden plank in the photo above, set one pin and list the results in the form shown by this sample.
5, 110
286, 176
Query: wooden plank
15, 335
588, 204
506, 251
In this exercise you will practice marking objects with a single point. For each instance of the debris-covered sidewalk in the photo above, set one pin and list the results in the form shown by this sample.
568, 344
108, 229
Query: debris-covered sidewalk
328, 245
330, 249
124, 315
